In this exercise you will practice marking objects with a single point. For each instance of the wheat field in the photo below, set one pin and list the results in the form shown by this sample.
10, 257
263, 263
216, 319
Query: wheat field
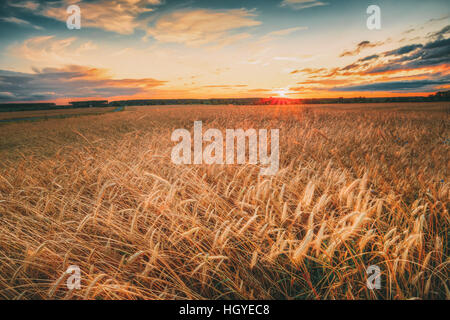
55, 112
358, 185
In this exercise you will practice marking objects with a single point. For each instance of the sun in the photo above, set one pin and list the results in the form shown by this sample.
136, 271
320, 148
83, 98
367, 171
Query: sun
281, 93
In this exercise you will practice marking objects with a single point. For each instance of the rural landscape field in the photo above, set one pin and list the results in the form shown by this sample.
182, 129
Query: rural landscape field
358, 185
224, 159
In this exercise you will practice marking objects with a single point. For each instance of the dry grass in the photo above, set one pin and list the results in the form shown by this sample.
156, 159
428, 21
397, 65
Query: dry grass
357, 186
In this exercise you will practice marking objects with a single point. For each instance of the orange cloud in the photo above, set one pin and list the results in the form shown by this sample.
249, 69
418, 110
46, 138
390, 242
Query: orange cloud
199, 27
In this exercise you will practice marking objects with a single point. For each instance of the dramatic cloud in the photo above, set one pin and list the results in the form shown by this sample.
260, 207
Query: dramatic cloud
398, 86
198, 27
68, 82
303, 4
405, 58
432, 54
417, 67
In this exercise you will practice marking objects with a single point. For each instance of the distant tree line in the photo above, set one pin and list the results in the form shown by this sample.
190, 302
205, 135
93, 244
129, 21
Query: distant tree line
90, 104
8, 107
158, 102
439, 96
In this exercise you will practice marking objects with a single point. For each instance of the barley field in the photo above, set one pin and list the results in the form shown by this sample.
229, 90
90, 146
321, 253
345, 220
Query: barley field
358, 186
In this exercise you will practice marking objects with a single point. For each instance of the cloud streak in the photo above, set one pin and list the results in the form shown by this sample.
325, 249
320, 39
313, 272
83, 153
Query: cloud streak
303, 4
20, 22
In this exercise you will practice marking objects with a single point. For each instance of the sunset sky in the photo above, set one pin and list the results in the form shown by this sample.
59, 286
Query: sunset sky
133, 49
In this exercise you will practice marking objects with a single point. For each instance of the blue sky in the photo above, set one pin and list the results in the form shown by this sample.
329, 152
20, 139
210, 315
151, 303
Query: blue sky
203, 49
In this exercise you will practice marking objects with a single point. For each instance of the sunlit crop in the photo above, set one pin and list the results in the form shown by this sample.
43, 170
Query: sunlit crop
358, 185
